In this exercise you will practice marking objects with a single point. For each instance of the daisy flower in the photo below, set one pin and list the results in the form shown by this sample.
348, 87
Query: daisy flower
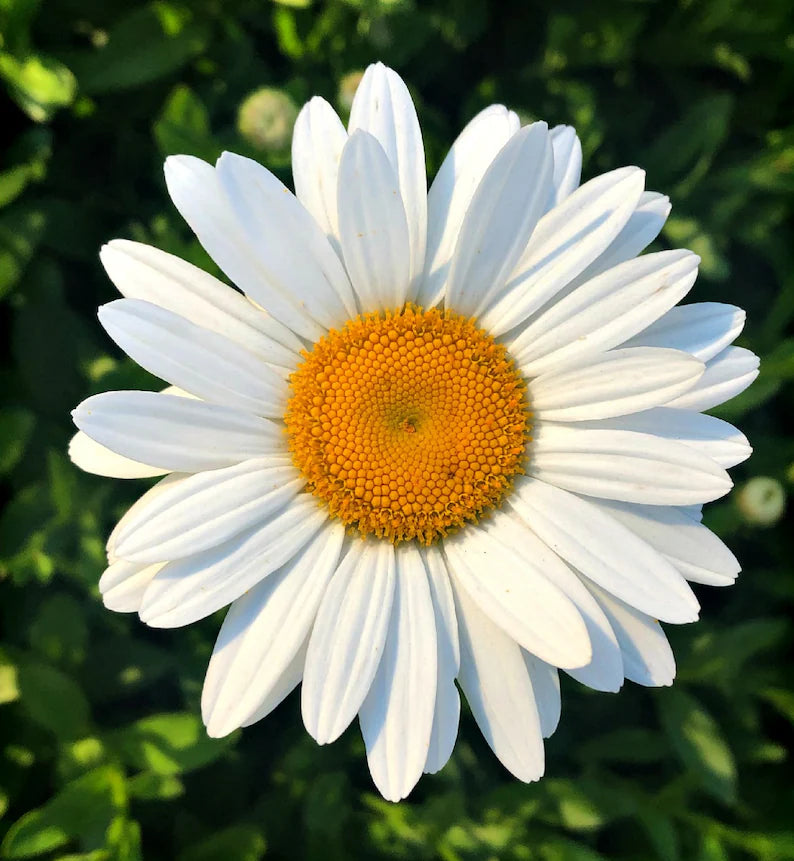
438, 438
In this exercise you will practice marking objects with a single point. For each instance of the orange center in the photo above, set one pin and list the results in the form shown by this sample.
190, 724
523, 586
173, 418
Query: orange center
408, 424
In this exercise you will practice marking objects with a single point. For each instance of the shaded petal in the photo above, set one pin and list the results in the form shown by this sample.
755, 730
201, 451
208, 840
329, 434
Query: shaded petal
647, 656
702, 329
643, 226
123, 584
396, 716
283, 686
200, 361
633, 467
614, 383
317, 142
518, 597
713, 437
564, 242
142, 272
604, 669
348, 638
372, 225
190, 589
95, 458
207, 509
692, 548
605, 311
177, 434
453, 188
605, 551
497, 686
262, 633
546, 686
383, 107
567, 163
730, 373
446, 715
139, 505
501, 217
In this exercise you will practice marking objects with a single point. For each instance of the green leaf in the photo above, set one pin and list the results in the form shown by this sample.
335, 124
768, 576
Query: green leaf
183, 126
38, 84
170, 744
13, 182
241, 842
782, 700
9, 683
21, 230
147, 44
697, 739
16, 425
59, 631
82, 810
53, 700
662, 834
150, 786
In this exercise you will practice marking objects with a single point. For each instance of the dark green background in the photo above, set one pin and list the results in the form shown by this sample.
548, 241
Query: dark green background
102, 752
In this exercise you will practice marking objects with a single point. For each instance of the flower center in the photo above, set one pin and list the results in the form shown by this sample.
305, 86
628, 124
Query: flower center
408, 424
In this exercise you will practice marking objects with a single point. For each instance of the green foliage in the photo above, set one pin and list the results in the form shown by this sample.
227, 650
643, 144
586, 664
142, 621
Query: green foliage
102, 751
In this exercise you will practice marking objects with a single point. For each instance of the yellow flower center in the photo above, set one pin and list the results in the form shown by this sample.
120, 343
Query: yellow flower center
408, 424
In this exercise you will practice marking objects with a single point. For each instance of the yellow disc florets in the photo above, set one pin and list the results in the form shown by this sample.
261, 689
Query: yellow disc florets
408, 424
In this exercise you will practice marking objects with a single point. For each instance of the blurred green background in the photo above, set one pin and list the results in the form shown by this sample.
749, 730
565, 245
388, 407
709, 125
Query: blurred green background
102, 752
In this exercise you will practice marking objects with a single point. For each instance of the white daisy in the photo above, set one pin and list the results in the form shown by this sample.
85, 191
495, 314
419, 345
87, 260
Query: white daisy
484, 382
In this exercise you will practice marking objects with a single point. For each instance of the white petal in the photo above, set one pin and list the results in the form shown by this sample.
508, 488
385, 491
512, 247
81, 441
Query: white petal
123, 584
502, 215
564, 242
317, 142
728, 374
262, 633
604, 670
383, 107
397, 714
288, 243
518, 597
190, 589
446, 715
647, 656
692, 548
497, 686
348, 639
613, 384
207, 509
605, 551
453, 188
546, 686
201, 362
95, 458
713, 437
605, 311
283, 687
702, 329
229, 234
142, 272
177, 434
372, 226
139, 505
616, 464
567, 163
644, 225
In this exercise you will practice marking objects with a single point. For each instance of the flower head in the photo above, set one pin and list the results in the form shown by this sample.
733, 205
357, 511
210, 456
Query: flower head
439, 437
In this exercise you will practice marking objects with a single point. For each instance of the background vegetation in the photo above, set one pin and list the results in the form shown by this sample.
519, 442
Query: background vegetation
102, 752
